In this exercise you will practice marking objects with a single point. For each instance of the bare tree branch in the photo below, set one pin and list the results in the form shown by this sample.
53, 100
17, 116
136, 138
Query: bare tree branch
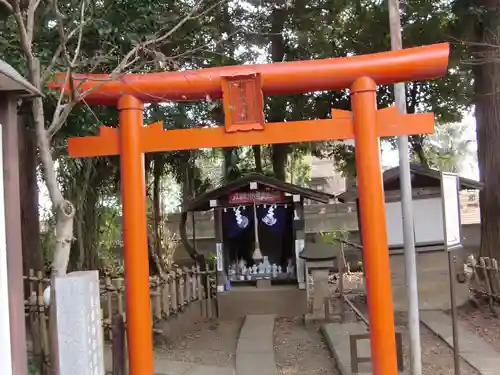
62, 111
80, 34
125, 62
7, 5
48, 71
30, 19
25, 40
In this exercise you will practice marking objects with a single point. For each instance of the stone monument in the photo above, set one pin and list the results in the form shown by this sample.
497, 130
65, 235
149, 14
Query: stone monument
77, 335
319, 260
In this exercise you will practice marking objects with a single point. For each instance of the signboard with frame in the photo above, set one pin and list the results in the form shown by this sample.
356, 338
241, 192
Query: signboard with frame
450, 188
256, 196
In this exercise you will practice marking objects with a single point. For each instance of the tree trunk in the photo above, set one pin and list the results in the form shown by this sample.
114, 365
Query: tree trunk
230, 169
417, 145
93, 224
158, 167
64, 209
487, 101
277, 107
32, 252
257, 155
416, 141
280, 153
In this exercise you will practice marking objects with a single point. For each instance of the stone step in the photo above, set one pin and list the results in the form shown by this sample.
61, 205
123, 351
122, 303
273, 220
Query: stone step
337, 338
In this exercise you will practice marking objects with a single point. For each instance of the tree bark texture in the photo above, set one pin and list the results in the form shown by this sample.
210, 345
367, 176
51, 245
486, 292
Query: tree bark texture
32, 252
64, 209
486, 72
257, 155
277, 105
158, 168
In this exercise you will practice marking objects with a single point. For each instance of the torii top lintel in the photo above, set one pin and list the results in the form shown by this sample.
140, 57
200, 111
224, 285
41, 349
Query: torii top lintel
410, 64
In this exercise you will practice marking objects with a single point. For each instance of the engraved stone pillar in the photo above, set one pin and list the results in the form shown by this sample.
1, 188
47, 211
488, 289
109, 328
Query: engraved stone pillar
77, 335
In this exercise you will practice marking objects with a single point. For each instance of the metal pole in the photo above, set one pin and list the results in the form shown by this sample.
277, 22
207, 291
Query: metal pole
406, 205
456, 347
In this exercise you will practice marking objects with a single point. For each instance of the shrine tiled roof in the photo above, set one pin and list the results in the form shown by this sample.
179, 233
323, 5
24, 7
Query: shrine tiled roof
421, 177
202, 202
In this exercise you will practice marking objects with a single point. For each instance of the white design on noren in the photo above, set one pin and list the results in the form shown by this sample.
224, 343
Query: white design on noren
269, 219
241, 221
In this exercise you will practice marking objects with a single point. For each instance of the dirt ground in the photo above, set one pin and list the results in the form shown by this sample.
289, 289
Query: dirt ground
301, 349
437, 356
482, 321
213, 344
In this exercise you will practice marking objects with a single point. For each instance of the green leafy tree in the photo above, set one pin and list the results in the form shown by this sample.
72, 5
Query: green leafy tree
450, 149
48, 36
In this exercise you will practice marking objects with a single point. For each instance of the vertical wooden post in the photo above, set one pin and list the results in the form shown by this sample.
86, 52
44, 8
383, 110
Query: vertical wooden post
173, 291
373, 226
118, 347
166, 296
299, 240
182, 289
138, 302
12, 286
109, 305
341, 282
220, 264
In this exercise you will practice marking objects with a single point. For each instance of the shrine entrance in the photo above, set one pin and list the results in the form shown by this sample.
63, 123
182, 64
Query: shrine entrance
259, 228
242, 89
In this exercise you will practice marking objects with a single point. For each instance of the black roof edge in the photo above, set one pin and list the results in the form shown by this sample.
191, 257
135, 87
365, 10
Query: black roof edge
197, 203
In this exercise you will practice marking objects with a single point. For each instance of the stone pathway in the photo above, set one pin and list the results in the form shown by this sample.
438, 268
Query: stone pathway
255, 349
475, 351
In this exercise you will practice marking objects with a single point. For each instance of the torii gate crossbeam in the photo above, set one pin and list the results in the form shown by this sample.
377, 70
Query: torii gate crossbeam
242, 89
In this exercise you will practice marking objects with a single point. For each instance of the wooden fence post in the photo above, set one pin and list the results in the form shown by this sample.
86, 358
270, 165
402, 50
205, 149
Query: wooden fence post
194, 283
173, 290
201, 290
170, 294
181, 289
118, 346
209, 294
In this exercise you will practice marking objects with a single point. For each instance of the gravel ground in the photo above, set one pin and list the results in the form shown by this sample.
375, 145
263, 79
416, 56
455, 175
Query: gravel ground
300, 349
437, 356
213, 344
481, 321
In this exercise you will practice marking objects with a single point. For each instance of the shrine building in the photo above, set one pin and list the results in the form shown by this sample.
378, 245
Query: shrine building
259, 232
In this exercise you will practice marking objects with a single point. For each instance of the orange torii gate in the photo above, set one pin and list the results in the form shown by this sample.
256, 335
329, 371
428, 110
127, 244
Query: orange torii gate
242, 89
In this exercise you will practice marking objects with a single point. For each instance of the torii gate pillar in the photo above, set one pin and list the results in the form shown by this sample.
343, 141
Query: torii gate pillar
135, 237
373, 226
